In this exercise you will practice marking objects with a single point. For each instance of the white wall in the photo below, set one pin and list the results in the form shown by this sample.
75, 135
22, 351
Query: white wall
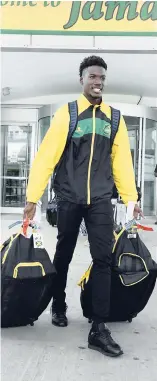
84, 42
62, 98
18, 115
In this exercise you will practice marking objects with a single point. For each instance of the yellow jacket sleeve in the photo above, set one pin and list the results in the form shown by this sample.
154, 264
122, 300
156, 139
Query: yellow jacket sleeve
48, 155
122, 166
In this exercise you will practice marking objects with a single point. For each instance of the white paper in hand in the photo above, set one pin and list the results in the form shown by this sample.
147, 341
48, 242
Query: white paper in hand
130, 211
37, 217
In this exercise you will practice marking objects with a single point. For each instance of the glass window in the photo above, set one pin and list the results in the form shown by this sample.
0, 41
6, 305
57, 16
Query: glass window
133, 124
149, 167
44, 125
15, 164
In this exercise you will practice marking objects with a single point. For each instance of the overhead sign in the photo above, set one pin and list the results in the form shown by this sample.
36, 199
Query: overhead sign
99, 18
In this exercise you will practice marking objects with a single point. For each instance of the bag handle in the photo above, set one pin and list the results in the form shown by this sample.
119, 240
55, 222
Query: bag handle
25, 225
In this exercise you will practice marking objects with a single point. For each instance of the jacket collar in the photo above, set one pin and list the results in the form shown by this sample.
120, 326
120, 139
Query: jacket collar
83, 101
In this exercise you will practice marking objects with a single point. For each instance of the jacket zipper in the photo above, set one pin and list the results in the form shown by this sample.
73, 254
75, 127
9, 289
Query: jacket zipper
90, 160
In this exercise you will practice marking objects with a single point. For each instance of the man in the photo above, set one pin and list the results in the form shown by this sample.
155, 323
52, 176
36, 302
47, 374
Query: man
83, 185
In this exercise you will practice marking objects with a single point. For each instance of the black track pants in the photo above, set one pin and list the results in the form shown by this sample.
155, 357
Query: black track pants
99, 223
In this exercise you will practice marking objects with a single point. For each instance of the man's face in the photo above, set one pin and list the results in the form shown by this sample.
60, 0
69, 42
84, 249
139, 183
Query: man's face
92, 80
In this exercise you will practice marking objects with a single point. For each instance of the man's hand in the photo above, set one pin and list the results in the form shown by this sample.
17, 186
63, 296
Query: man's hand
138, 211
29, 211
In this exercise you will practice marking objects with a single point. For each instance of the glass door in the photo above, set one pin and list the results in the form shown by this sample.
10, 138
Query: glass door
135, 136
149, 164
16, 149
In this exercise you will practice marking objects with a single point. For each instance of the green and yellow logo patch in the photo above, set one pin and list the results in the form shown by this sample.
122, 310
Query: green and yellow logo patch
85, 127
106, 130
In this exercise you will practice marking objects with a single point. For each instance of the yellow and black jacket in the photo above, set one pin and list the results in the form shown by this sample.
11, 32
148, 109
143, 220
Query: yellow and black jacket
90, 167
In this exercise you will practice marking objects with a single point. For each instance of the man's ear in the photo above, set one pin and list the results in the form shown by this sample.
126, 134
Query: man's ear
81, 80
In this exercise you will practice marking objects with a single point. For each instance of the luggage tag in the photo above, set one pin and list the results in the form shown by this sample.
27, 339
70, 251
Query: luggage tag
146, 228
131, 228
37, 238
132, 233
130, 225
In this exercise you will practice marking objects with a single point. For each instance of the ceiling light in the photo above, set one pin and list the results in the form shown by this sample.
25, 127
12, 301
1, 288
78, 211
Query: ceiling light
6, 91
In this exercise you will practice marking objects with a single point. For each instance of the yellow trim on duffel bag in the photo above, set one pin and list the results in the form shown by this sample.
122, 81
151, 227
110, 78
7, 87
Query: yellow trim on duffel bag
10, 243
85, 276
137, 256
117, 236
28, 264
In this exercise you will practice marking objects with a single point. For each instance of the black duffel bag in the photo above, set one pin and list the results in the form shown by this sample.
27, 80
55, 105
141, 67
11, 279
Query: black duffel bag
27, 275
133, 279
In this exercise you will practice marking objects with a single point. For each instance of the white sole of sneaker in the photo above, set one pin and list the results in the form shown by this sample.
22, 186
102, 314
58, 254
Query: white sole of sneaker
94, 348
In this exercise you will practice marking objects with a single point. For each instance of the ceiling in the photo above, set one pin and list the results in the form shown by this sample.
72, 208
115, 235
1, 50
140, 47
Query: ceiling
31, 74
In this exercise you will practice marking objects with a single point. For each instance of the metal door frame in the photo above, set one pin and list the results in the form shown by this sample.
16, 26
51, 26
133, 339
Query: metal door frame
150, 116
143, 113
17, 210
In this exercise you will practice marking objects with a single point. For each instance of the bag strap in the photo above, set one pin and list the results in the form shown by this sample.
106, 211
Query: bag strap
51, 185
73, 113
115, 119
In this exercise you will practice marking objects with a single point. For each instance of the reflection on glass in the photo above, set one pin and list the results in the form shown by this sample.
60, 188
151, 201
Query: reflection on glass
15, 163
150, 162
133, 124
44, 125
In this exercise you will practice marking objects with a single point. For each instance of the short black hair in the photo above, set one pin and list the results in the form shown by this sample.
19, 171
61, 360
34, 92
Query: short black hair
92, 61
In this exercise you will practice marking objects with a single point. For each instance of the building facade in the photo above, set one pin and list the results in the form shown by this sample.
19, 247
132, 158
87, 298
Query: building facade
34, 54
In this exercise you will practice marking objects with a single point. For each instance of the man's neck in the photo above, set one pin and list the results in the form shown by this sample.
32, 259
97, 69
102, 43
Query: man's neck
93, 101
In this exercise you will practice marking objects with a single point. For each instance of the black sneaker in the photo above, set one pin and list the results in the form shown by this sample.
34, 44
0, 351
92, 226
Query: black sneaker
100, 340
59, 318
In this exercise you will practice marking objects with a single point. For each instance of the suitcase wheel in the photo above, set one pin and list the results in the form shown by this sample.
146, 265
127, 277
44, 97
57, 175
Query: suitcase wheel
90, 321
31, 322
133, 316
